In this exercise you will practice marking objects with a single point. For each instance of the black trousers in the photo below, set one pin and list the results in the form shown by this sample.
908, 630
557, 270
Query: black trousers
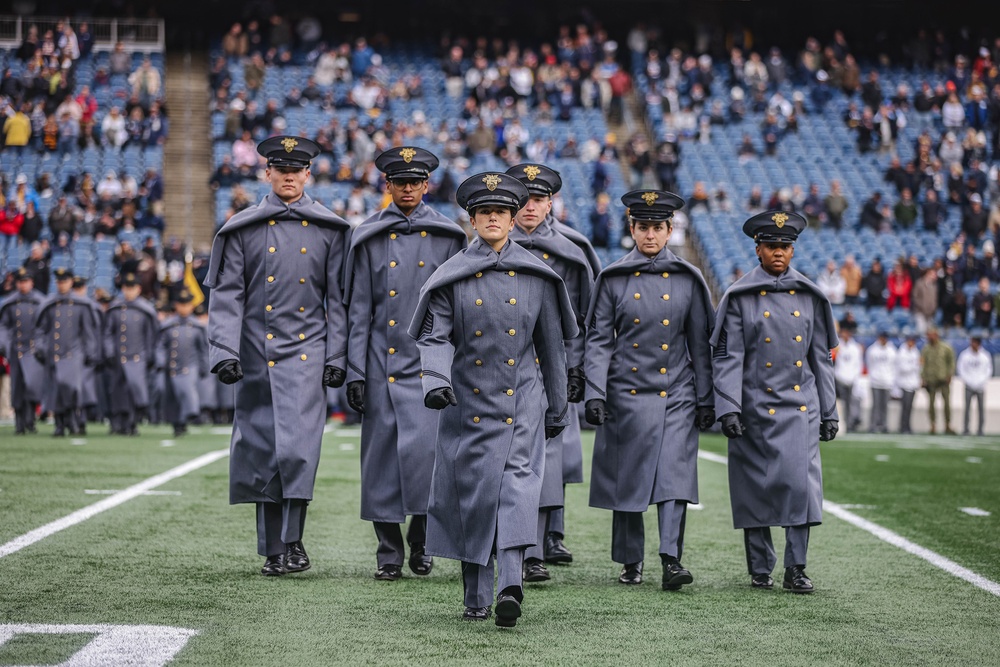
761, 558
390, 539
628, 534
279, 524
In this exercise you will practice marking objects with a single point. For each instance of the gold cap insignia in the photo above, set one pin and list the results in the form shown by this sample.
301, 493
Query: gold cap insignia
407, 155
779, 219
289, 144
532, 171
650, 197
492, 181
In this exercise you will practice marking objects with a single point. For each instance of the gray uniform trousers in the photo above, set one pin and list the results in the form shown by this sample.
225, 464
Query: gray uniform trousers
628, 535
761, 558
477, 580
279, 524
390, 539
978, 395
880, 411
907, 409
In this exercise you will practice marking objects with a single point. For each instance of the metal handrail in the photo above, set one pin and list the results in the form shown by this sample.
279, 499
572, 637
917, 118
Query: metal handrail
137, 35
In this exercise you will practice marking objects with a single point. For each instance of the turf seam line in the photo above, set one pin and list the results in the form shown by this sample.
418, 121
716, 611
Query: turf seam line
110, 502
895, 539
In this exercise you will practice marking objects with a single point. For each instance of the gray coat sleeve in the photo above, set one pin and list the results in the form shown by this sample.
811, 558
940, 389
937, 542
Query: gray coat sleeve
575, 346
548, 339
227, 305
359, 316
727, 362
822, 367
436, 349
336, 312
697, 331
600, 343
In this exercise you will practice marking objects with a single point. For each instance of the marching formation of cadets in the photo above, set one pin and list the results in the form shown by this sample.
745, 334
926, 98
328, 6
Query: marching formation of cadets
471, 364
116, 360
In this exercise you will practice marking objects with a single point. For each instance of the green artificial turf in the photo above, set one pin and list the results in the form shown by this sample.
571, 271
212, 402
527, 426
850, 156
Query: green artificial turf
190, 561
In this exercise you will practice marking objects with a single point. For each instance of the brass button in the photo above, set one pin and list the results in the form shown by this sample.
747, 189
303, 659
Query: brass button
392, 265
663, 371
635, 345
664, 347
270, 279
510, 392
268, 308
303, 357
270, 222
767, 365
771, 411
791, 291
475, 420
479, 302
270, 363
305, 223
271, 249
663, 394
767, 313
479, 362
391, 379
303, 251
393, 236
392, 292
509, 420
635, 370
636, 274
636, 296
763, 292
666, 297
545, 255
302, 309
798, 339
665, 274
796, 387
478, 334
632, 392
270, 336
799, 364
666, 323
392, 350
767, 340
510, 273
302, 281
769, 390
420, 263
803, 408
796, 313
635, 321
510, 362
302, 336
56, 336
392, 323
513, 302
479, 274
423, 233
512, 332
475, 391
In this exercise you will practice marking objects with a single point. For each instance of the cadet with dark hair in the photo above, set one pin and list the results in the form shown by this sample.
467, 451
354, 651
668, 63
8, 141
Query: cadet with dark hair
649, 388
392, 254
277, 316
17, 330
774, 390
490, 325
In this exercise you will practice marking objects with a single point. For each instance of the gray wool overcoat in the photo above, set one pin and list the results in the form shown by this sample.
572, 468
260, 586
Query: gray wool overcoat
65, 337
184, 350
131, 330
17, 328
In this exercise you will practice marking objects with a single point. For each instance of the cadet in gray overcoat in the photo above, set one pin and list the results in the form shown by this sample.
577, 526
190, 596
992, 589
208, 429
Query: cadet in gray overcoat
534, 230
65, 342
392, 255
774, 390
17, 329
490, 325
131, 329
184, 349
649, 388
276, 314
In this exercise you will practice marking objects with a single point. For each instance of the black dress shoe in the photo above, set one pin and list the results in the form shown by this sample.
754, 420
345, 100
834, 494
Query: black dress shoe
476, 613
674, 575
555, 551
535, 571
296, 559
274, 566
631, 574
420, 563
389, 573
796, 580
762, 581
508, 610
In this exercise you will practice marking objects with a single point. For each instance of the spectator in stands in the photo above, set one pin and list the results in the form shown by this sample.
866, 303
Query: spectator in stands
834, 206
905, 211
951, 298
874, 214
968, 267
982, 305
67, 42
63, 218
29, 45
156, 128
254, 71
120, 60
875, 284
601, 221
933, 211
11, 220
950, 151
900, 286
245, 158
866, 130
952, 113
770, 133
37, 265
135, 125
235, 43
361, 57
937, 361
990, 263
145, 82
113, 133
871, 91
924, 300
831, 283
24, 194
746, 150
812, 207
68, 133
17, 129
110, 186
974, 218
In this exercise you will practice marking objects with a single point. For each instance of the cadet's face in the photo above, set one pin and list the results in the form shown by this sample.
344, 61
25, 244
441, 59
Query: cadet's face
64, 286
493, 224
533, 213
131, 292
25, 286
407, 193
287, 183
184, 309
650, 236
775, 257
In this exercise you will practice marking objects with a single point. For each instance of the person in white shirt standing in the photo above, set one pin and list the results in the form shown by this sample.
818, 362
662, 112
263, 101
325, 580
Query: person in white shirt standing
880, 358
974, 368
847, 369
907, 379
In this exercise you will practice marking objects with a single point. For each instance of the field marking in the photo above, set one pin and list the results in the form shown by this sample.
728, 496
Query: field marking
881, 458
78, 442
973, 459
111, 492
167, 443
136, 645
974, 511
124, 496
895, 539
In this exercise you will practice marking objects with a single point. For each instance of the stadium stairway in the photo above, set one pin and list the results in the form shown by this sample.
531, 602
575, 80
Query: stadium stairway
187, 164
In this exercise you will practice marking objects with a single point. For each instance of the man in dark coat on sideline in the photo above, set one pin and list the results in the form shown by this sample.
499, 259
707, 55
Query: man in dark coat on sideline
774, 390
278, 328
392, 255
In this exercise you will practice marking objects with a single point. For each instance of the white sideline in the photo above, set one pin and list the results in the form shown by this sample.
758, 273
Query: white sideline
117, 499
895, 539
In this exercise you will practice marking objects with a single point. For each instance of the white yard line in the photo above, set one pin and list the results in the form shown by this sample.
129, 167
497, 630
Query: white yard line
886, 535
110, 502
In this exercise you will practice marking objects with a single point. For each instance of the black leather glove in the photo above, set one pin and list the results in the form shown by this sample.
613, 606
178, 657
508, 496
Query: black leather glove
594, 411
828, 429
704, 417
333, 377
356, 396
576, 385
151, 366
553, 431
229, 371
440, 398
732, 427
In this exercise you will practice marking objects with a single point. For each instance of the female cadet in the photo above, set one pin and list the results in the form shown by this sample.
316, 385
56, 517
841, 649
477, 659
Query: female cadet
490, 325
649, 388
